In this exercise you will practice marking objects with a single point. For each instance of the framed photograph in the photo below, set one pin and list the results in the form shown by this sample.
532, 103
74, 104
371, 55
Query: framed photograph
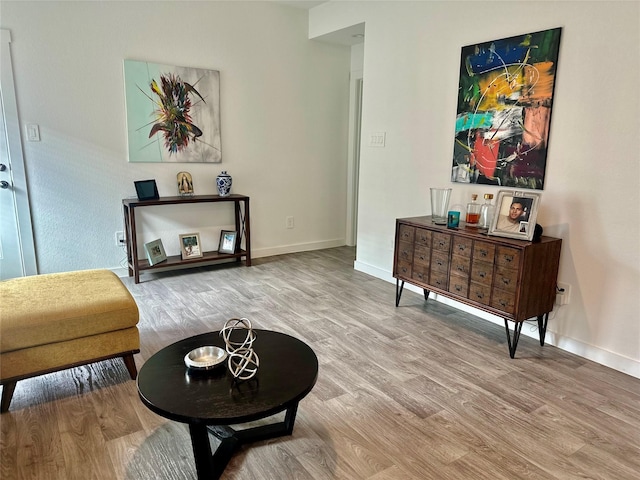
155, 252
146, 190
228, 239
516, 214
190, 246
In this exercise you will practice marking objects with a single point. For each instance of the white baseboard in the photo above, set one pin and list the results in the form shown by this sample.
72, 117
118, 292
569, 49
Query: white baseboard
590, 352
296, 247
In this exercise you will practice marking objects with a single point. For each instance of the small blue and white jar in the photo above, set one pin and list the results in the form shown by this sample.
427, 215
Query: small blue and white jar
223, 182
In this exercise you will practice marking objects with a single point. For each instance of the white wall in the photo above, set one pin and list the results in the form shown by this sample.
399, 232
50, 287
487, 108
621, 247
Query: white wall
592, 185
284, 103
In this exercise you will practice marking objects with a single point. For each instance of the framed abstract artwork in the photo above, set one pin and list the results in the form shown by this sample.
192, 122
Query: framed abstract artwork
505, 99
173, 113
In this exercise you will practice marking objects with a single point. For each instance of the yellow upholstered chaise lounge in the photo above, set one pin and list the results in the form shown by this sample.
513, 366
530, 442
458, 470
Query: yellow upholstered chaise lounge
56, 321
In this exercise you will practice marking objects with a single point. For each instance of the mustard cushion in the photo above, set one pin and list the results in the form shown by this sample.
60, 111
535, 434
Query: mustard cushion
57, 307
32, 361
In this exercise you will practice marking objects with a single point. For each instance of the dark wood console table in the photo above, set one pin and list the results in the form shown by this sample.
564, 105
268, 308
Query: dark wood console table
136, 265
513, 279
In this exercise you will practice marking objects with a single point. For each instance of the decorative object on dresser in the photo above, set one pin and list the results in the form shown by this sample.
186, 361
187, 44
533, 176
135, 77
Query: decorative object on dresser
515, 215
223, 182
513, 279
155, 252
185, 184
440, 205
242, 226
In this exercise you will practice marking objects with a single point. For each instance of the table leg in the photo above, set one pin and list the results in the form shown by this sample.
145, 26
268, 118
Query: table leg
202, 452
211, 466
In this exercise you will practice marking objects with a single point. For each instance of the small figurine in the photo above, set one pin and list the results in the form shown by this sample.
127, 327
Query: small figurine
185, 184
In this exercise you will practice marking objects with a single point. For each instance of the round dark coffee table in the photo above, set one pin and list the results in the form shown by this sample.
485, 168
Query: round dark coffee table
212, 400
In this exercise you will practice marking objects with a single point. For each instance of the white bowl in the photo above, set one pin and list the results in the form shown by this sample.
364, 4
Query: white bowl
204, 358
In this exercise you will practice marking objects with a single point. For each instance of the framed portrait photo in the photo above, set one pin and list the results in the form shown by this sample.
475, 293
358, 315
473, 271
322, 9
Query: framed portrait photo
190, 246
228, 240
155, 252
516, 214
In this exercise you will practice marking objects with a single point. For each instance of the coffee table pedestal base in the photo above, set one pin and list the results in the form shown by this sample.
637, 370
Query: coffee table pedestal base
210, 466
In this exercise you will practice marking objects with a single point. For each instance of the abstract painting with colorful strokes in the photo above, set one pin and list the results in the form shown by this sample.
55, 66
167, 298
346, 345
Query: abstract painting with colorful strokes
505, 98
173, 113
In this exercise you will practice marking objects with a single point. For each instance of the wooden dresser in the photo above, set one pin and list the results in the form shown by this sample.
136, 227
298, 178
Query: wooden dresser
513, 279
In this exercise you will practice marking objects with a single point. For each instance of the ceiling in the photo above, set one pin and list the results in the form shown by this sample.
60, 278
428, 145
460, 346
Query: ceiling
352, 35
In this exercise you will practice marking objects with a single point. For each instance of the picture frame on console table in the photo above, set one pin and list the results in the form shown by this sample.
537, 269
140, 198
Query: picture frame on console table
190, 246
228, 240
516, 214
155, 252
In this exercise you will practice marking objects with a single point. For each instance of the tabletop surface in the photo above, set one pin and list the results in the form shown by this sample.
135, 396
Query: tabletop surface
287, 373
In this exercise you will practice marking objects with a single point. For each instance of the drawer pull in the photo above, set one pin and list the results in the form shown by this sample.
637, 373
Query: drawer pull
441, 243
460, 268
458, 288
461, 248
508, 258
479, 295
439, 262
404, 269
503, 303
482, 274
422, 257
506, 281
483, 253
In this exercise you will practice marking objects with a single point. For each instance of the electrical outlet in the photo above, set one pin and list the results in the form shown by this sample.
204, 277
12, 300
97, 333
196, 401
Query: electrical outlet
563, 293
289, 222
120, 242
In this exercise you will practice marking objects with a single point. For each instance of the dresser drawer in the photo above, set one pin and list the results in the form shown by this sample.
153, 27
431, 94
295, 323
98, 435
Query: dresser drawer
403, 269
482, 272
459, 284
405, 252
462, 246
439, 279
480, 292
441, 242
420, 274
423, 237
422, 255
503, 300
508, 257
406, 233
506, 279
484, 252
460, 265
440, 262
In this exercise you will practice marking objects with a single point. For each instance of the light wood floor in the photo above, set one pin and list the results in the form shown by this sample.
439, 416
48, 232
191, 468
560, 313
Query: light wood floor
416, 392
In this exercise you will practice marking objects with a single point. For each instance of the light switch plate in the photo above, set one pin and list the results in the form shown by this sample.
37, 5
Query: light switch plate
33, 132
